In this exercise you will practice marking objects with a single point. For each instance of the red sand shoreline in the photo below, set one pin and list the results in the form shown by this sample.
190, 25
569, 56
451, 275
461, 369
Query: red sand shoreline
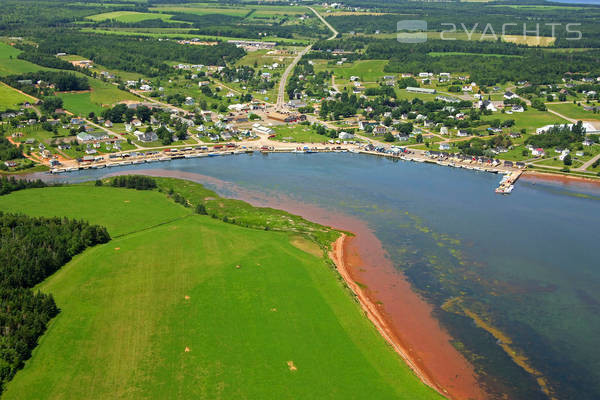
337, 255
566, 179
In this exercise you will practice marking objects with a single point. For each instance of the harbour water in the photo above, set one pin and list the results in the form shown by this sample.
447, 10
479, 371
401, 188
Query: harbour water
513, 279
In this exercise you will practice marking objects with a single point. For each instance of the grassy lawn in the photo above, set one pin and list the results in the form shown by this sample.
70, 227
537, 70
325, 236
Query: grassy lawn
555, 162
131, 307
102, 95
10, 64
298, 134
530, 119
403, 94
367, 70
9, 97
573, 111
516, 154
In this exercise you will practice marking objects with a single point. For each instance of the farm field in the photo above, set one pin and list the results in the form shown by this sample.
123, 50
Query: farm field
10, 64
101, 94
9, 97
544, 41
129, 16
573, 111
162, 311
202, 10
530, 119
404, 94
250, 10
367, 70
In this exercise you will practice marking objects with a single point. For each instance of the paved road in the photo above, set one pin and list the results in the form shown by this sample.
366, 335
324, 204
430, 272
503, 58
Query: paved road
281, 93
280, 106
331, 28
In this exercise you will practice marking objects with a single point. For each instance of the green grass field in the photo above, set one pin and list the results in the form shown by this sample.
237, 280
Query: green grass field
530, 119
125, 320
101, 94
203, 10
367, 70
129, 16
10, 64
298, 134
9, 97
574, 111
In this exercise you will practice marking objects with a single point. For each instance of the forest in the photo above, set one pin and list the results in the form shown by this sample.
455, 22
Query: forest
478, 17
31, 249
61, 80
132, 54
487, 62
138, 182
558, 136
8, 151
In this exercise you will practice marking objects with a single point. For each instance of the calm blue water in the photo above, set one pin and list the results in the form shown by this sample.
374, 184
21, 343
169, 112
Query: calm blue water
527, 262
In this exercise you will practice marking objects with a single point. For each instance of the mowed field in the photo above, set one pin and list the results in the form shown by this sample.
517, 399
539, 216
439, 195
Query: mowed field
128, 16
162, 312
10, 64
574, 111
9, 97
530, 119
101, 94
367, 70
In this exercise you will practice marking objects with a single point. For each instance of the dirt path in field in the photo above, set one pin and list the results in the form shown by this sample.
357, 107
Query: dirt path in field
20, 91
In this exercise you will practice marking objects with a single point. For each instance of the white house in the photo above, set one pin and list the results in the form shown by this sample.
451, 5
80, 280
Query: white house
510, 95
345, 135
539, 152
444, 146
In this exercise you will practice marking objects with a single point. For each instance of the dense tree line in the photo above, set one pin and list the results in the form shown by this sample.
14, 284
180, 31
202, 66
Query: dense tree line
10, 184
62, 81
31, 249
8, 151
133, 54
558, 136
138, 182
31, 54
